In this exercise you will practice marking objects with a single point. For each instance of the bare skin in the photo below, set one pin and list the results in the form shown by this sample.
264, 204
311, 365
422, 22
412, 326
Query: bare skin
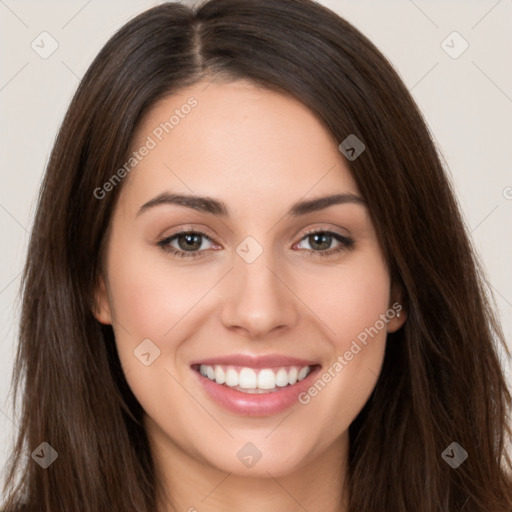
259, 152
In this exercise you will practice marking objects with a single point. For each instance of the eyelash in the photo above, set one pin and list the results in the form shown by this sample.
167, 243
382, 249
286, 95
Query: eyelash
346, 243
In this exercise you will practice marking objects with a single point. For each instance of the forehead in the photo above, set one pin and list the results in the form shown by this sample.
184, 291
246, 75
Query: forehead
239, 142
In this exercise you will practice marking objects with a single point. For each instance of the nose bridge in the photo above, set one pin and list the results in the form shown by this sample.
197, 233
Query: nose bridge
257, 299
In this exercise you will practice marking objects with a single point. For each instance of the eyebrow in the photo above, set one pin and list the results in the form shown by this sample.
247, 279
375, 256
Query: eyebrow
218, 208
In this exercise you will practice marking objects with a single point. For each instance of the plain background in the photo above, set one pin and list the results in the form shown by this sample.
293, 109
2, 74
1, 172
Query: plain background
466, 101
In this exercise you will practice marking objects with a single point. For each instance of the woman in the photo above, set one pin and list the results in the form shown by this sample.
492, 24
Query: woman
249, 287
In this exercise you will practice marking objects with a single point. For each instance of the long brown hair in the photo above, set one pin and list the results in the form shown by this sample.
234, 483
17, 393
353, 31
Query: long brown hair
441, 381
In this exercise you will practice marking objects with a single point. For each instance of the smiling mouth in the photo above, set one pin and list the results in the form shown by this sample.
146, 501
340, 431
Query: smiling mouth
254, 380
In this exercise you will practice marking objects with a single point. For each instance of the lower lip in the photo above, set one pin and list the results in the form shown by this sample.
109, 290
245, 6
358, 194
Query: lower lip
262, 404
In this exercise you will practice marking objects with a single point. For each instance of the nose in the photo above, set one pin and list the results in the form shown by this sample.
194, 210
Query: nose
257, 299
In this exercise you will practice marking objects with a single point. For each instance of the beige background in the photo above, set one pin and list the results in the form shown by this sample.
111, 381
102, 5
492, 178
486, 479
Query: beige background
467, 103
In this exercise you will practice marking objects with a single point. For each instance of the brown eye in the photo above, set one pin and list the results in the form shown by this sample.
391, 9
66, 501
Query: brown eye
189, 244
321, 242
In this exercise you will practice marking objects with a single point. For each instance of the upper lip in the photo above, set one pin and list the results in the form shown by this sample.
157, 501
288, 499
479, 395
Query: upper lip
252, 361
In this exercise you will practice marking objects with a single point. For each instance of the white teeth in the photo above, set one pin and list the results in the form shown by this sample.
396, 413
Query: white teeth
282, 378
303, 372
247, 378
220, 376
231, 377
210, 372
251, 380
266, 379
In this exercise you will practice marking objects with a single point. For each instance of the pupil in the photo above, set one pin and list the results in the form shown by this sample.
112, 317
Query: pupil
191, 240
317, 239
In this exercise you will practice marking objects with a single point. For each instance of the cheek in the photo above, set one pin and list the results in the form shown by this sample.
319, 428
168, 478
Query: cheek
349, 298
353, 307
151, 293
153, 299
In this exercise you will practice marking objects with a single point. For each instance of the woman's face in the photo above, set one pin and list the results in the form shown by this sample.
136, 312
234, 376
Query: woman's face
251, 294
